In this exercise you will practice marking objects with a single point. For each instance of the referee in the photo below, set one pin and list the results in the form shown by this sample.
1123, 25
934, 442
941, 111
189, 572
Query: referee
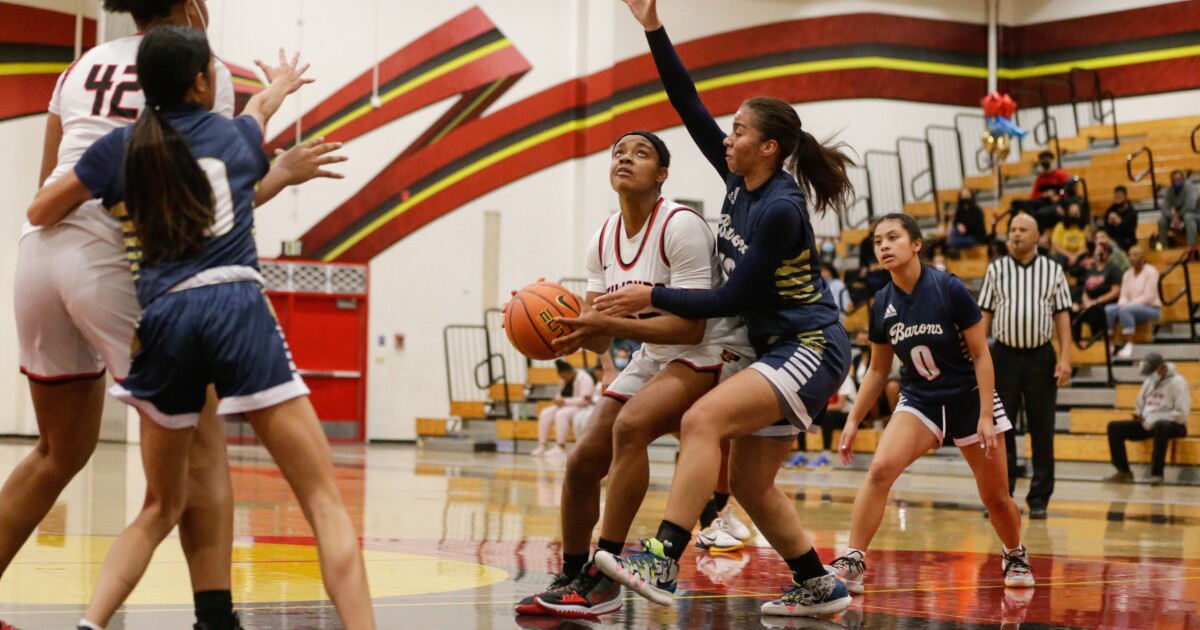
1026, 296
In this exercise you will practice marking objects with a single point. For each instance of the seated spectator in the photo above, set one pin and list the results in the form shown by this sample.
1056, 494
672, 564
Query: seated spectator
1139, 301
1046, 248
837, 289
1119, 257
1161, 413
860, 361
603, 374
967, 228
1070, 240
938, 262
828, 250
1050, 177
1179, 211
574, 394
1099, 286
1051, 209
1120, 220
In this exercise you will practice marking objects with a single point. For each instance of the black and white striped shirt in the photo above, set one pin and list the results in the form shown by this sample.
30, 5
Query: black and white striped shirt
1023, 300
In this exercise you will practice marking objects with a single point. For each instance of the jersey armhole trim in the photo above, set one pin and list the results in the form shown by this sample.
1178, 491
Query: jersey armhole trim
662, 238
603, 231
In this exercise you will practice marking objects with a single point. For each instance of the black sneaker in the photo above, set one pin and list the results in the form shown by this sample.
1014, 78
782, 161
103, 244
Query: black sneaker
234, 624
591, 594
529, 606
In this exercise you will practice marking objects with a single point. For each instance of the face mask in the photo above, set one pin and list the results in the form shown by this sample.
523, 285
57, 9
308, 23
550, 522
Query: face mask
827, 247
1177, 187
621, 363
1046, 166
939, 266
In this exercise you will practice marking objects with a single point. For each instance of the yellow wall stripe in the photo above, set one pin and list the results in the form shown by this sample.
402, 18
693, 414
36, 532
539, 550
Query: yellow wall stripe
12, 69
849, 63
411, 85
483, 96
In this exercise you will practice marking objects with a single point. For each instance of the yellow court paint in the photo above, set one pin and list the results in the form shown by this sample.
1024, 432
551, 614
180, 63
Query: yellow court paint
62, 570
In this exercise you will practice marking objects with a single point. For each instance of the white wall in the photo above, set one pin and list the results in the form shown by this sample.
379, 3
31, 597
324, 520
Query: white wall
433, 277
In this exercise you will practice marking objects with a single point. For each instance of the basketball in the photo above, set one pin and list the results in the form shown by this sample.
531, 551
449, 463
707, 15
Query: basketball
529, 318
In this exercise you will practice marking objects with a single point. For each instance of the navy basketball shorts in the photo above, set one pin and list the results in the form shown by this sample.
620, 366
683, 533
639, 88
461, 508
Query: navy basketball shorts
956, 418
806, 370
224, 334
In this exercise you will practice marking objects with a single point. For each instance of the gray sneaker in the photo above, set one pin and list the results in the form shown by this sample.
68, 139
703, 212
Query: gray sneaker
822, 595
1119, 477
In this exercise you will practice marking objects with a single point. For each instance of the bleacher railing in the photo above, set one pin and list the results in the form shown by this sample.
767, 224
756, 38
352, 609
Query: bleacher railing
1096, 100
885, 181
1195, 132
1096, 336
860, 212
1149, 171
1181, 266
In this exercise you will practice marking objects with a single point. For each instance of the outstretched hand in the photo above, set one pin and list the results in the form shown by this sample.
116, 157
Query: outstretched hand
304, 161
629, 300
290, 72
646, 13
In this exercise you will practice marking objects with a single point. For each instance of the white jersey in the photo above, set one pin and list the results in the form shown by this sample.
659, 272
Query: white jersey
100, 93
674, 248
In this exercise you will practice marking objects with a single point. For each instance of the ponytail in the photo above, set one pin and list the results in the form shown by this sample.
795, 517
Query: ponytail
819, 168
168, 196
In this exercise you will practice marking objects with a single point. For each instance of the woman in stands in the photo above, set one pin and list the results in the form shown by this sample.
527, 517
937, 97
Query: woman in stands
76, 310
929, 319
187, 178
772, 170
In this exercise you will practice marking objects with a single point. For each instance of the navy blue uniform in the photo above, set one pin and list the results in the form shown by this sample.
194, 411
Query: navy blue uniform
937, 380
769, 255
205, 318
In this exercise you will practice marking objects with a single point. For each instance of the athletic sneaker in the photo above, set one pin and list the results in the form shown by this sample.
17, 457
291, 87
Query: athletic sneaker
234, 624
720, 568
591, 593
715, 538
539, 451
850, 569
1017, 573
557, 452
529, 605
732, 524
650, 573
797, 461
824, 595
821, 462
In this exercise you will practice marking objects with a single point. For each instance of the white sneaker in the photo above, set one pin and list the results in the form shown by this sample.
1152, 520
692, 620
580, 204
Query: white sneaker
716, 538
1126, 352
557, 452
1017, 573
538, 452
732, 524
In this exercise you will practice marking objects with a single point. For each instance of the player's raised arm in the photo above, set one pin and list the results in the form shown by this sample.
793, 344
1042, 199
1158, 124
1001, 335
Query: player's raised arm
283, 80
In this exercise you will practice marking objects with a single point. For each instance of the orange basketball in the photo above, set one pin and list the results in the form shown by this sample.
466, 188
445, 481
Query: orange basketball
529, 318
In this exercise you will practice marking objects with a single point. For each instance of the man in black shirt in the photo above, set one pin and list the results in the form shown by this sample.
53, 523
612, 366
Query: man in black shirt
1120, 220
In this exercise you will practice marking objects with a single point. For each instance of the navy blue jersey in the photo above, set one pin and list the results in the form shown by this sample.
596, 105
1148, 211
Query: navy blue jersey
766, 242
230, 152
925, 330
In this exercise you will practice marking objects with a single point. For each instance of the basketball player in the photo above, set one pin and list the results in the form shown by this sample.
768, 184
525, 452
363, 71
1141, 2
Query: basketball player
76, 311
187, 178
929, 319
649, 242
772, 170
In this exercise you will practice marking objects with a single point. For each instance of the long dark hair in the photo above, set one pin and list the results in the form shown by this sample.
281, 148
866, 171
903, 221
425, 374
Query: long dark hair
819, 168
167, 194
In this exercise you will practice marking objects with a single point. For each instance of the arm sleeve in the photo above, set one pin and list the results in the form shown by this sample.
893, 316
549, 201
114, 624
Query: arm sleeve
1189, 198
1062, 292
963, 308
688, 246
682, 91
987, 298
1127, 296
98, 166
1151, 298
252, 133
591, 261
585, 386
776, 233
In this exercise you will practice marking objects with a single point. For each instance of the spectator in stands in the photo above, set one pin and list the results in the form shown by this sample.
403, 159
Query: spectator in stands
837, 289
604, 373
1161, 413
967, 228
1050, 210
870, 276
1050, 177
1070, 240
828, 250
1046, 248
938, 262
860, 361
1119, 257
1025, 302
1139, 301
574, 394
1179, 211
1099, 286
1120, 220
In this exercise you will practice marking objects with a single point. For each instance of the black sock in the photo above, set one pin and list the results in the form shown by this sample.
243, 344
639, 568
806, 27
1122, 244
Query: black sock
713, 509
720, 500
214, 609
573, 563
674, 539
611, 546
806, 567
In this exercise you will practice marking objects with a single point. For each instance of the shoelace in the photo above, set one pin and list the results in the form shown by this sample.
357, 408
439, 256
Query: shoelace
852, 565
561, 581
1016, 563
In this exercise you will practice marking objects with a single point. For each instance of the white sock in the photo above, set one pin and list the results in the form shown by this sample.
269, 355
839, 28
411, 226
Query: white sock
1009, 552
84, 623
861, 554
